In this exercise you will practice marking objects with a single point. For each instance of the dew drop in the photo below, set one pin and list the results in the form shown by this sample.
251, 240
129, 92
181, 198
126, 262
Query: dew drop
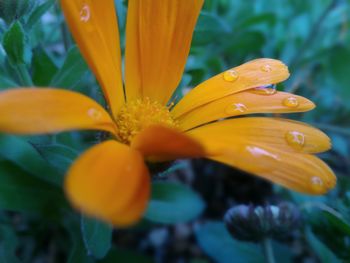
265, 90
94, 114
85, 13
266, 68
236, 108
295, 139
291, 102
230, 75
317, 184
259, 152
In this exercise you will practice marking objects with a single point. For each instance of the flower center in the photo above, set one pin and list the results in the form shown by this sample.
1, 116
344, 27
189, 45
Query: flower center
139, 114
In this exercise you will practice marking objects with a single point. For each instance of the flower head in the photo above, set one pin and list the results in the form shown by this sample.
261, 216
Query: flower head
111, 181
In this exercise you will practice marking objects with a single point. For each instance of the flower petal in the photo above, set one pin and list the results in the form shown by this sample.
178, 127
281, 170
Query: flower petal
38, 111
252, 74
160, 143
243, 103
300, 172
111, 182
95, 29
282, 134
158, 40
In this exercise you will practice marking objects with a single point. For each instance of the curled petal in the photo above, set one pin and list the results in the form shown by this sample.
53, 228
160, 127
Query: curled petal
111, 182
160, 143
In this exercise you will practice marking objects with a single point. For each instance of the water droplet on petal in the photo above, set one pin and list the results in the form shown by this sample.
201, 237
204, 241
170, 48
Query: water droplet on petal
236, 108
291, 102
94, 114
317, 184
266, 68
231, 75
259, 152
85, 13
295, 139
265, 90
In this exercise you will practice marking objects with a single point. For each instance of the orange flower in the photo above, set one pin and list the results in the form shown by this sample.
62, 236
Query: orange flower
111, 181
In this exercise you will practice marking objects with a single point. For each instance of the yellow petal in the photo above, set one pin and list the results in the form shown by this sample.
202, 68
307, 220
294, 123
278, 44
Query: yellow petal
95, 29
299, 172
38, 111
243, 103
282, 134
252, 74
111, 182
160, 143
158, 40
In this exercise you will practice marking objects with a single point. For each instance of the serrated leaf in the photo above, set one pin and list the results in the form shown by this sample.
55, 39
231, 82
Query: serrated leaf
216, 242
97, 237
173, 203
19, 191
27, 157
72, 71
15, 46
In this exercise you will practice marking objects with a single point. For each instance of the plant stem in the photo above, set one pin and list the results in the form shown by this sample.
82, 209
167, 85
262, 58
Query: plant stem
268, 250
24, 75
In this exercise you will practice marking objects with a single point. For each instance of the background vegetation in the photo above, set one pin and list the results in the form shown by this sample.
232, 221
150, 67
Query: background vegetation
184, 222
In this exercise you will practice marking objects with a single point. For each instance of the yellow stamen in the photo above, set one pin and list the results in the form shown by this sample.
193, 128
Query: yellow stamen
138, 114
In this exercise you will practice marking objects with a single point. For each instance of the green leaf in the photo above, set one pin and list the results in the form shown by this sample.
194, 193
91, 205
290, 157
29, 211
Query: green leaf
43, 67
339, 68
59, 156
38, 13
173, 203
215, 240
209, 27
8, 245
72, 71
322, 251
15, 46
5, 82
123, 255
19, 191
97, 237
25, 156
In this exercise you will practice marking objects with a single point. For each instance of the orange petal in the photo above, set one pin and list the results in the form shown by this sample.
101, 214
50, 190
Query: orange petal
243, 103
158, 40
111, 182
252, 74
38, 111
300, 172
282, 134
163, 144
95, 29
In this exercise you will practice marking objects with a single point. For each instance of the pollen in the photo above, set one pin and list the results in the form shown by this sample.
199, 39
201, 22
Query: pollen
138, 114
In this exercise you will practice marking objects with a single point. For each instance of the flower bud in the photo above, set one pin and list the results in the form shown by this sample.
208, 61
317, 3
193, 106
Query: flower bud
249, 223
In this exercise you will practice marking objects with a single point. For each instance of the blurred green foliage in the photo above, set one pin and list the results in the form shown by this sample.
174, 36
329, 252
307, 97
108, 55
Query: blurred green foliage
37, 224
